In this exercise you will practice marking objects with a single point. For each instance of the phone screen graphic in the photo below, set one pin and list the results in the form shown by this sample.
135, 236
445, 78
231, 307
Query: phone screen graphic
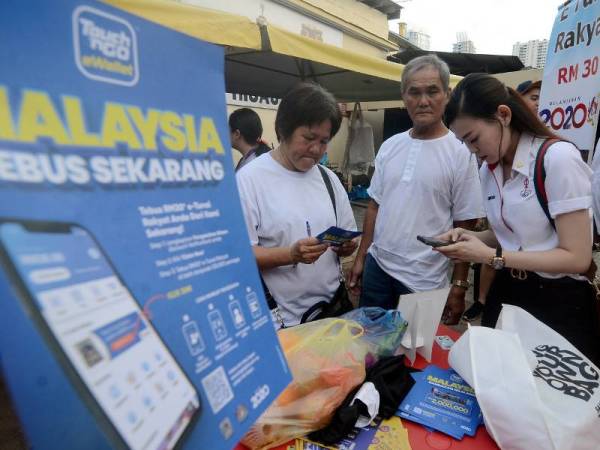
92, 321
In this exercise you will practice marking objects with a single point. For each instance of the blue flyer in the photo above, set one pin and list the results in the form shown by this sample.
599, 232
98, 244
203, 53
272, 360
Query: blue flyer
337, 236
442, 400
131, 309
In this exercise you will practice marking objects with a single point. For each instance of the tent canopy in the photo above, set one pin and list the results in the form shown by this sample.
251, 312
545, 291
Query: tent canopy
287, 58
205, 24
466, 63
266, 60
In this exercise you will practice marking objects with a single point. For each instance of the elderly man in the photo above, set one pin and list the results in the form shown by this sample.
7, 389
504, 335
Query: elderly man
425, 182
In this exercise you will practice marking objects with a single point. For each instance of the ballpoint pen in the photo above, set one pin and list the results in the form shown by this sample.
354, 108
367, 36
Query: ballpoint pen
309, 235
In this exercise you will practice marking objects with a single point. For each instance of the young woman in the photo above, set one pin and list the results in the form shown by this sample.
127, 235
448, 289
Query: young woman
539, 262
245, 130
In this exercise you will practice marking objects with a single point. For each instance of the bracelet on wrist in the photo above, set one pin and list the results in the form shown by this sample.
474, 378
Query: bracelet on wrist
461, 284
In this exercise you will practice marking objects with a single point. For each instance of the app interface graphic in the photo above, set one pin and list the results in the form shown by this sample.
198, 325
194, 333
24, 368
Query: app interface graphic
103, 333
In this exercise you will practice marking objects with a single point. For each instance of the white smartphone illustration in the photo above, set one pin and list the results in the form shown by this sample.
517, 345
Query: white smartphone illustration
111, 353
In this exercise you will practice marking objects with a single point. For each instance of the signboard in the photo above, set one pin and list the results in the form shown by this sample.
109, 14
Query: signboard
571, 83
253, 101
131, 310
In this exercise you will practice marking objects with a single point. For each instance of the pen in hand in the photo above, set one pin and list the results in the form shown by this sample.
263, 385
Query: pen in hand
309, 235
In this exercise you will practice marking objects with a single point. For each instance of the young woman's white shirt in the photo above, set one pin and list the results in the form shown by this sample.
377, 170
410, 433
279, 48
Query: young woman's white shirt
277, 205
513, 210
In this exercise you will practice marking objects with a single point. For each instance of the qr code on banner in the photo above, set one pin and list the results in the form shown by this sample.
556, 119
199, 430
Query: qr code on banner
217, 388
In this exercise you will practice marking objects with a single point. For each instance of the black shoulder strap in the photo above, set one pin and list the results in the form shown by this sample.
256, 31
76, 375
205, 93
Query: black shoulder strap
329, 187
539, 178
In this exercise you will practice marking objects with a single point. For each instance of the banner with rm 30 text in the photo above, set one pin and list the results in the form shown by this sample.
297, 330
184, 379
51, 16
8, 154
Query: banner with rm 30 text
570, 93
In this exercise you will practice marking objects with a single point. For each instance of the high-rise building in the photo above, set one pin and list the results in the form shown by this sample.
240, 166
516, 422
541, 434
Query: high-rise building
419, 38
463, 44
532, 53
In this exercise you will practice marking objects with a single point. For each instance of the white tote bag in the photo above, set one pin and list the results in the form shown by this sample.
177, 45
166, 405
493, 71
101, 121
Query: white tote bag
536, 391
360, 146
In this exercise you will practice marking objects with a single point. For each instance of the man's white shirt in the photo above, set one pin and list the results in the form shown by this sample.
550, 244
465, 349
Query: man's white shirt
421, 187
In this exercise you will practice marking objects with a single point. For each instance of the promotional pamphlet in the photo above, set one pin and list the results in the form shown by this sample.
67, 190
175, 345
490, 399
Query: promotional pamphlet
379, 435
131, 309
337, 236
443, 401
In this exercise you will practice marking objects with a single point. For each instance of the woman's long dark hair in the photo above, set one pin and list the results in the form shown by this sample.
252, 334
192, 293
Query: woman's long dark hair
478, 95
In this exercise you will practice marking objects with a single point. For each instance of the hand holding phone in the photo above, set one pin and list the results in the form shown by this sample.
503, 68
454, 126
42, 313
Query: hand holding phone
433, 242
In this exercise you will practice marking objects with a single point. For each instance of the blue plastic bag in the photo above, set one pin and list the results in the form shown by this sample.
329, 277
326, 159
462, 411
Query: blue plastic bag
383, 330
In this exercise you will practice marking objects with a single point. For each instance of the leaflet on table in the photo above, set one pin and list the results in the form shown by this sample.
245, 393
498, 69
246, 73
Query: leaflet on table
445, 409
379, 435
337, 236
440, 399
132, 311
462, 409
357, 439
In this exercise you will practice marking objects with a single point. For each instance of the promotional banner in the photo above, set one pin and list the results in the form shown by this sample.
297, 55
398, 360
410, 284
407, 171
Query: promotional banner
131, 310
571, 82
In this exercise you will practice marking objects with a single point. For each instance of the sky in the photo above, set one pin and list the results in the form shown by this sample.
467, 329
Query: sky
493, 25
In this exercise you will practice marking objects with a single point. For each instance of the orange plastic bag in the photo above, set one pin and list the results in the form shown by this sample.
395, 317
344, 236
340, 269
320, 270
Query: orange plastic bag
327, 361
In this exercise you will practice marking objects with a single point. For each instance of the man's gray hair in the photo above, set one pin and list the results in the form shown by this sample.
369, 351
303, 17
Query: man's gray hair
421, 62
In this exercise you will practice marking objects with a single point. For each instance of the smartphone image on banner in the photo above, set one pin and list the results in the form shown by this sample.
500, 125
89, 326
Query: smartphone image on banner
111, 353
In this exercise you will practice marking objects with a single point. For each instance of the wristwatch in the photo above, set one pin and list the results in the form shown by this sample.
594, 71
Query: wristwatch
498, 262
461, 284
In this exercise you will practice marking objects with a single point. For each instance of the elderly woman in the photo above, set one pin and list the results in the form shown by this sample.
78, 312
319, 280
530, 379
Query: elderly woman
287, 202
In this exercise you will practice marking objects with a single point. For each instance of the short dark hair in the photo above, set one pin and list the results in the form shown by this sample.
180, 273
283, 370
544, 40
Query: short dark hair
306, 104
478, 95
528, 85
248, 123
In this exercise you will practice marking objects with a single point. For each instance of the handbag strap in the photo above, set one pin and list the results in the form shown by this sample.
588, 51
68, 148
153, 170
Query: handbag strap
357, 114
329, 187
539, 183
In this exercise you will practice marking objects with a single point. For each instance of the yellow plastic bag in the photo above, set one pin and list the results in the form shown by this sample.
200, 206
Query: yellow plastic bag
327, 361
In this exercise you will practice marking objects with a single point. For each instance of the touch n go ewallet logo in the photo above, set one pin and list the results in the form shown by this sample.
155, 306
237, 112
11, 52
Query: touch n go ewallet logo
105, 47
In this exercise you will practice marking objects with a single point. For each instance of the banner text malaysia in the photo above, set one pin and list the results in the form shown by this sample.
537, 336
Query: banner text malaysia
131, 309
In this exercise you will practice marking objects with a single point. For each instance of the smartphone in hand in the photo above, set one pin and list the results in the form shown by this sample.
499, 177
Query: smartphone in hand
434, 242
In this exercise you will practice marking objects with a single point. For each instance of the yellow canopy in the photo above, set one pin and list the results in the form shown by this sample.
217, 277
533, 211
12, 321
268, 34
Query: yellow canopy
268, 61
288, 43
202, 23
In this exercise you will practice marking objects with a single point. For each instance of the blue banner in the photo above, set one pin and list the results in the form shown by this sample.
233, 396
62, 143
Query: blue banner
131, 310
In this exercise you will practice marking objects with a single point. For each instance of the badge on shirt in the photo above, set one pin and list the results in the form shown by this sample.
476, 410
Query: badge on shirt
526, 192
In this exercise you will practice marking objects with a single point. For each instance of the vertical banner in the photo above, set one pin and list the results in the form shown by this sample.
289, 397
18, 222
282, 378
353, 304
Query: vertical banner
571, 82
131, 310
